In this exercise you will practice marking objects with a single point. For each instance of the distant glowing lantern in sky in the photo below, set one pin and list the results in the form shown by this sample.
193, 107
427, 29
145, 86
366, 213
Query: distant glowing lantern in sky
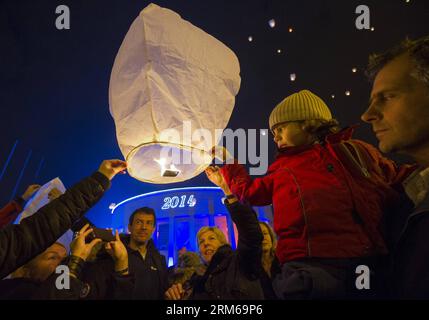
250, 38
172, 92
293, 77
354, 70
272, 23
348, 93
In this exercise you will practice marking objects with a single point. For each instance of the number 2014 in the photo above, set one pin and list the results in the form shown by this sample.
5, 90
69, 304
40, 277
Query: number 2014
174, 202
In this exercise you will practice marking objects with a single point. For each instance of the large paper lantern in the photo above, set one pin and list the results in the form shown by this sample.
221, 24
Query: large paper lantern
172, 92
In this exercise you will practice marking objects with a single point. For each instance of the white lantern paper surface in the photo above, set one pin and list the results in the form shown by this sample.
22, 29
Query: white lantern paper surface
169, 80
39, 200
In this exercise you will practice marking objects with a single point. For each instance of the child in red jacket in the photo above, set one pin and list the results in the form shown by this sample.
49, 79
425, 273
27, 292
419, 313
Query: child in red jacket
329, 193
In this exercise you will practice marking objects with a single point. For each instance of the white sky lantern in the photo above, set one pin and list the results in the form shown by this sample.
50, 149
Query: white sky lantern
272, 23
172, 92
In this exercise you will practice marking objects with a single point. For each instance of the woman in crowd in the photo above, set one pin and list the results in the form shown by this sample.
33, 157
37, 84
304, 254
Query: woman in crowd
230, 274
269, 261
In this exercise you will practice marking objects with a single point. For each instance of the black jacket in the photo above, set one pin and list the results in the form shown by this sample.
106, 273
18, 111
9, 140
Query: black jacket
234, 275
97, 281
147, 279
151, 274
21, 243
17, 289
409, 235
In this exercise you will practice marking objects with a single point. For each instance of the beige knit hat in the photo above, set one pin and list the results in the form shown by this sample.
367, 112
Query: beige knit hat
303, 105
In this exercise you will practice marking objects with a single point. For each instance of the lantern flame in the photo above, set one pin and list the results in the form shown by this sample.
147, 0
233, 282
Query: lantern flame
167, 172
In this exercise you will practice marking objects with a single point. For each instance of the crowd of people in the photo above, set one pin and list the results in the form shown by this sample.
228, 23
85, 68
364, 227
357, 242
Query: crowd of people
338, 204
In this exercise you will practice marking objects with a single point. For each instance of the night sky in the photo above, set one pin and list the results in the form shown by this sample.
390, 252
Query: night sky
54, 83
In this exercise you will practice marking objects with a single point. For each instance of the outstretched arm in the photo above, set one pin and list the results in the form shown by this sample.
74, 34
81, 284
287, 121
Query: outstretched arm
20, 243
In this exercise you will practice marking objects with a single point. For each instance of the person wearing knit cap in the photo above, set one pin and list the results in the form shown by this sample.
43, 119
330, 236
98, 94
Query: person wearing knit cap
303, 105
328, 192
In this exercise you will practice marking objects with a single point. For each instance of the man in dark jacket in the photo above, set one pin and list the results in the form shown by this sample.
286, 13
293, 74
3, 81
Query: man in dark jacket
230, 275
146, 263
20, 243
399, 113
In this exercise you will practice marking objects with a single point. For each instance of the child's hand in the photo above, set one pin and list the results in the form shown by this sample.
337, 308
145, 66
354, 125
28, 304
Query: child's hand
221, 153
215, 176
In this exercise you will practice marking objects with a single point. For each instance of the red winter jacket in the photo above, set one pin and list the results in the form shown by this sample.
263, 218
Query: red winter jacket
324, 206
9, 212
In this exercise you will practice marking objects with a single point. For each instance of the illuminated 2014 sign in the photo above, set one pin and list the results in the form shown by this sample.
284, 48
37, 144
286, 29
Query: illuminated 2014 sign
181, 202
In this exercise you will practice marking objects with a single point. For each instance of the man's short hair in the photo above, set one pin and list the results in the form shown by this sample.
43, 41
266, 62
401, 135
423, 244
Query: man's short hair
144, 210
418, 51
